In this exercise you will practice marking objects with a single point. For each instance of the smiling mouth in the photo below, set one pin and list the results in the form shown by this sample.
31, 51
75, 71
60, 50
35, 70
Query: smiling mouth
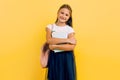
62, 18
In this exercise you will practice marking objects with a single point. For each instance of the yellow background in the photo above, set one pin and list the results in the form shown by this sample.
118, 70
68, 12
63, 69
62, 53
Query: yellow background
22, 32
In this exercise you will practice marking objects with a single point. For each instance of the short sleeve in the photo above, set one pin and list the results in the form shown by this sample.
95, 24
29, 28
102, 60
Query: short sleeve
49, 26
71, 30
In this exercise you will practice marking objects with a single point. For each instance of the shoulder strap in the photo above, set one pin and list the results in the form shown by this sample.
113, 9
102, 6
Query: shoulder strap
52, 29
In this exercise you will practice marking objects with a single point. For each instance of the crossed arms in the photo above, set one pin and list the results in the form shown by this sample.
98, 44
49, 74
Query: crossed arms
59, 43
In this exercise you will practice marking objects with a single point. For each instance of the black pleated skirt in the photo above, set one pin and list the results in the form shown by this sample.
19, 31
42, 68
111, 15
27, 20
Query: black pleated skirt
61, 66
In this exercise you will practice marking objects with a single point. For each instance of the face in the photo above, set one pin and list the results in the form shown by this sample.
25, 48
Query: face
63, 15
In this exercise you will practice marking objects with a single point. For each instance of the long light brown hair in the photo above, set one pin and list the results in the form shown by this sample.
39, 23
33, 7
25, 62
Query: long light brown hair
69, 22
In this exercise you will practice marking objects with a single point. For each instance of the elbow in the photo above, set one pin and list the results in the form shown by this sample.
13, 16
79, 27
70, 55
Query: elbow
48, 41
70, 48
73, 46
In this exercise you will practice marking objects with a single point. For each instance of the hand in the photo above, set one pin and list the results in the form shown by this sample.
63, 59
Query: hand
51, 47
72, 40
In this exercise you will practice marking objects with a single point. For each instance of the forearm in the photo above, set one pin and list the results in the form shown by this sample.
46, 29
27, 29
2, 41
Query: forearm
65, 47
70, 39
54, 41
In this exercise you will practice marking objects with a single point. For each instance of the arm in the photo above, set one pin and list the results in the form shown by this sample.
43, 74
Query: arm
51, 40
65, 47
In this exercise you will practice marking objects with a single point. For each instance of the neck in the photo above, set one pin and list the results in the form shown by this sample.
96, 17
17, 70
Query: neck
60, 24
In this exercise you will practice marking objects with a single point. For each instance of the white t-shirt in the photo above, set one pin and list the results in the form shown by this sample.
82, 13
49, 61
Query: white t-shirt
60, 32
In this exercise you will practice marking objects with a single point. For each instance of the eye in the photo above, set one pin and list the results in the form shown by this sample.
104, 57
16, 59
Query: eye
62, 12
67, 15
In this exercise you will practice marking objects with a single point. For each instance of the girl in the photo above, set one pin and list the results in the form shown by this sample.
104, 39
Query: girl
60, 37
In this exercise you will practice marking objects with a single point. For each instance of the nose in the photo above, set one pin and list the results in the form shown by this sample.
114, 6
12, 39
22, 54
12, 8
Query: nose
64, 16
